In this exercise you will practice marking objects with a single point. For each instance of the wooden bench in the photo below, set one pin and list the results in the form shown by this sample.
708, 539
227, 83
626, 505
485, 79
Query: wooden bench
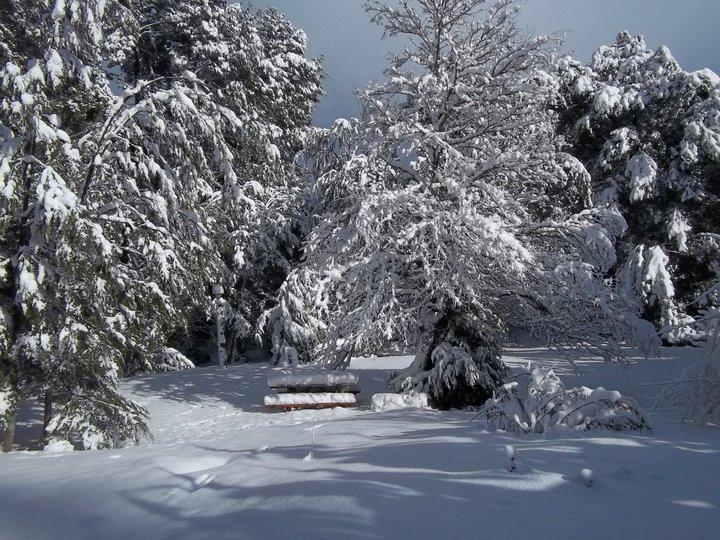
297, 401
305, 388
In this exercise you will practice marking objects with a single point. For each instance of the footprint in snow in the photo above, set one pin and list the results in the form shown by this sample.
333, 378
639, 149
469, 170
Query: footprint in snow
188, 468
202, 481
188, 465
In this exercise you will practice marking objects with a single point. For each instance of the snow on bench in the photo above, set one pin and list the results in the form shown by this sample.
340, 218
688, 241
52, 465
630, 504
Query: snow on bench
392, 402
307, 388
313, 381
290, 402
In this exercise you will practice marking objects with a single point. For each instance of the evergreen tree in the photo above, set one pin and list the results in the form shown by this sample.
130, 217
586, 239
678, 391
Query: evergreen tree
260, 91
648, 133
60, 342
137, 170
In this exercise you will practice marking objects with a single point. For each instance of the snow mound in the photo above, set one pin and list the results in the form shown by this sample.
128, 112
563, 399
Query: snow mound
392, 402
58, 446
309, 399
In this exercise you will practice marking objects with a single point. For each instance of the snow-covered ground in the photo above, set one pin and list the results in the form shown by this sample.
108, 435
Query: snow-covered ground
221, 467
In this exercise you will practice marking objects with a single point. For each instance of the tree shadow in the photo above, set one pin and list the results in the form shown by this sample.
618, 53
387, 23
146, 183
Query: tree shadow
241, 387
444, 479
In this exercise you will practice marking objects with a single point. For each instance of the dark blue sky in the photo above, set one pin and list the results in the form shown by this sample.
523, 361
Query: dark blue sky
354, 54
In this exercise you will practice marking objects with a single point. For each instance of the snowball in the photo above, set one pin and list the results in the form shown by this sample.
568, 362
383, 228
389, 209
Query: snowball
391, 402
588, 477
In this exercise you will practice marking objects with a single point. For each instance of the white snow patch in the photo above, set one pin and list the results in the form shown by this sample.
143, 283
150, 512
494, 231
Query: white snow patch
642, 173
58, 446
391, 402
696, 504
309, 399
310, 377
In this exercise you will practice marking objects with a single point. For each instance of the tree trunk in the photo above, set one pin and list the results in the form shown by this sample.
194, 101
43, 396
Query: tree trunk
47, 416
9, 439
439, 333
343, 358
435, 336
231, 352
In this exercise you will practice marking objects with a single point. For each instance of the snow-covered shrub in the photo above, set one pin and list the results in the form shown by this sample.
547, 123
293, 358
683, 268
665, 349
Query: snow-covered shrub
452, 376
167, 360
696, 393
548, 404
99, 419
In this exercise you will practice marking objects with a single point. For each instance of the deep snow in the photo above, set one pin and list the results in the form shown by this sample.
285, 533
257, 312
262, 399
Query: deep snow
221, 467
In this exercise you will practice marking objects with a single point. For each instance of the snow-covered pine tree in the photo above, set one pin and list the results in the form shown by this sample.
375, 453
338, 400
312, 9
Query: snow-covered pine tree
429, 227
286, 93
649, 134
136, 170
253, 82
59, 343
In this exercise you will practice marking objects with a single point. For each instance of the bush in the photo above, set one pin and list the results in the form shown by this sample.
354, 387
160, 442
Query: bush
168, 360
548, 404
